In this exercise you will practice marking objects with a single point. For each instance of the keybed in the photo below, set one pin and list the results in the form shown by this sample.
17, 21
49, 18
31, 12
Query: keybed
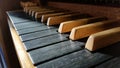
79, 25
52, 36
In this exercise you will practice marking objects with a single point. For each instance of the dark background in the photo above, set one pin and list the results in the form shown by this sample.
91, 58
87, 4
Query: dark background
93, 2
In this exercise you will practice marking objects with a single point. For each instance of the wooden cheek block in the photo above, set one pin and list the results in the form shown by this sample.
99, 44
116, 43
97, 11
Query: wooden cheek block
86, 30
103, 39
68, 25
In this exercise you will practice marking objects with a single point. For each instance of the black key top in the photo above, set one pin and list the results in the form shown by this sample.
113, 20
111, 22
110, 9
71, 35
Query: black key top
55, 50
38, 34
34, 29
80, 59
114, 63
27, 25
44, 41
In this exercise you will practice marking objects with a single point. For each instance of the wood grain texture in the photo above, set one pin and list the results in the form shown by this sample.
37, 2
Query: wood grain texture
68, 25
107, 38
86, 30
59, 19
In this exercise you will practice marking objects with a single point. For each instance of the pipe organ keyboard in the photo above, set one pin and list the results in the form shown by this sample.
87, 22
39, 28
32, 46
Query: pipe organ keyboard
56, 38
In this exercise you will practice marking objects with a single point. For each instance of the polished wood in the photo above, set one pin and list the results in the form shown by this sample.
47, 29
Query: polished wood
103, 39
86, 30
68, 25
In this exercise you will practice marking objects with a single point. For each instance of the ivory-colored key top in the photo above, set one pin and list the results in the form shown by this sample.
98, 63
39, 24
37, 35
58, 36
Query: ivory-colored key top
26, 9
86, 30
32, 12
103, 39
39, 14
44, 9
59, 19
68, 25
46, 16
39, 11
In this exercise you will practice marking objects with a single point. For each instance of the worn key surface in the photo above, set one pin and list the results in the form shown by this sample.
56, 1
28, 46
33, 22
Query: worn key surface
44, 41
26, 25
33, 29
114, 63
80, 59
18, 17
43, 54
38, 34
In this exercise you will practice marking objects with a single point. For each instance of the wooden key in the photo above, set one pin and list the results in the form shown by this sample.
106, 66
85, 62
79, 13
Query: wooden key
44, 9
86, 30
46, 16
68, 25
26, 9
39, 11
59, 19
39, 14
103, 39
32, 12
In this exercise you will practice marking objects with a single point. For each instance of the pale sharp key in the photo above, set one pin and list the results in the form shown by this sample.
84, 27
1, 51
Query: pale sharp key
68, 25
26, 9
39, 14
36, 11
58, 19
103, 39
45, 17
44, 9
32, 12
86, 30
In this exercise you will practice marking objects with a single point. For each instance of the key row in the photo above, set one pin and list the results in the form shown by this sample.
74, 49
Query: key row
100, 31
